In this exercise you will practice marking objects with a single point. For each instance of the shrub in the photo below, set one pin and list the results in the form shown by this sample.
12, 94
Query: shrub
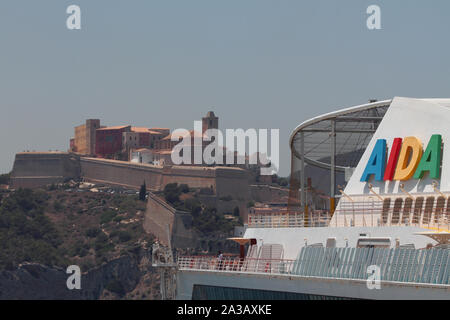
107, 216
4, 178
143, 192
92, 232
206, 191
116, 287
172, 193
58, 206
124, 236
118, 218
184, 188
193, 206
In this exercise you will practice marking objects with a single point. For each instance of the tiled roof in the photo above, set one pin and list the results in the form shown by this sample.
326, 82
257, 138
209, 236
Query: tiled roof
192, 133
163, 151
113, 128
140, 129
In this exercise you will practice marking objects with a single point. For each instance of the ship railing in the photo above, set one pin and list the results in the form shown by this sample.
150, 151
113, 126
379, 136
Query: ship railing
397, 212
288, 220
395, 264
271, 266
359, 214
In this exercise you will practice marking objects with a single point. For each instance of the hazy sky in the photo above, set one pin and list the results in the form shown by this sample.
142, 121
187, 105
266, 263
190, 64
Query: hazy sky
255, 63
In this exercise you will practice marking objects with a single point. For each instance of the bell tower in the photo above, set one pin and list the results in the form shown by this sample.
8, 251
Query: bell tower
210, 121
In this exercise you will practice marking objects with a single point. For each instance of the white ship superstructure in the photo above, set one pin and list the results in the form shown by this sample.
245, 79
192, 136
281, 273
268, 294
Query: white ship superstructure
387, 237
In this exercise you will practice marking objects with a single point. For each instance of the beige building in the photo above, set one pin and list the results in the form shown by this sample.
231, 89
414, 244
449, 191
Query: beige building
84, 141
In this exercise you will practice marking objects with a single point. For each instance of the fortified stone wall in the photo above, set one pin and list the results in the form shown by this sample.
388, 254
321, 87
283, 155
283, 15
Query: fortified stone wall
121, 173
37, 169
266, 193
160, 215
232, 182
195, 177
33, 169
157, 217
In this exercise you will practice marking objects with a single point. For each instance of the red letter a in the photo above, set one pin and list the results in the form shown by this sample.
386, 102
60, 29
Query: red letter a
393, 157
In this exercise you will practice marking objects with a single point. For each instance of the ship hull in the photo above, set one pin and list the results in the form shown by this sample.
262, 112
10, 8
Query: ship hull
220, 285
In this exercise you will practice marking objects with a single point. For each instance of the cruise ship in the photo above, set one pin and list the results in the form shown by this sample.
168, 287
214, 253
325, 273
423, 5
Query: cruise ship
384, 234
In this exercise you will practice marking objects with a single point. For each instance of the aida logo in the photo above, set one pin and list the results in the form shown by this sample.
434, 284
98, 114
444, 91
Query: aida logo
406, 160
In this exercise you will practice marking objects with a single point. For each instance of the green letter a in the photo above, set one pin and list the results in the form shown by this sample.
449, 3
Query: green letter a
431, 159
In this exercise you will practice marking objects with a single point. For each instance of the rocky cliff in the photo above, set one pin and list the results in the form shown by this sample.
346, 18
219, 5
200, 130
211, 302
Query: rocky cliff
36, 281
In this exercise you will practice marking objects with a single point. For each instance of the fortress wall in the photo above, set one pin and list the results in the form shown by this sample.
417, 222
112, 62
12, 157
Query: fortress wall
266, 193
160, 214
121, 173
233, 182
35, 169
194, 177
157, 217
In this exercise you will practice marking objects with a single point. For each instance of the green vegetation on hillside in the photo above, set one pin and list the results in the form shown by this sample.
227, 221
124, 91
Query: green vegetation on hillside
5, 178
205, 219
55, 227
26, 234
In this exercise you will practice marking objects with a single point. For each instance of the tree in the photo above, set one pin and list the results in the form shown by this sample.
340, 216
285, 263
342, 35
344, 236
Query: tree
172, 194
184, 188
4, 178
143, 192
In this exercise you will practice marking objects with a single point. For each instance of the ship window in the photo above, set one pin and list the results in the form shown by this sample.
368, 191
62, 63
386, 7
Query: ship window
440, 204
418, 207
447, 211
428, 210
385, 211
396, 212
407, 210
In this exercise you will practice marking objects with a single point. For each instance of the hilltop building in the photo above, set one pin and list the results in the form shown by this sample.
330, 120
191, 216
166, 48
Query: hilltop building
85, 135
145, 145
114, 142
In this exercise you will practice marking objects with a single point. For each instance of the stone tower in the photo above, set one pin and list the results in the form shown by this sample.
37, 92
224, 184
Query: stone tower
91, 126
210, 121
